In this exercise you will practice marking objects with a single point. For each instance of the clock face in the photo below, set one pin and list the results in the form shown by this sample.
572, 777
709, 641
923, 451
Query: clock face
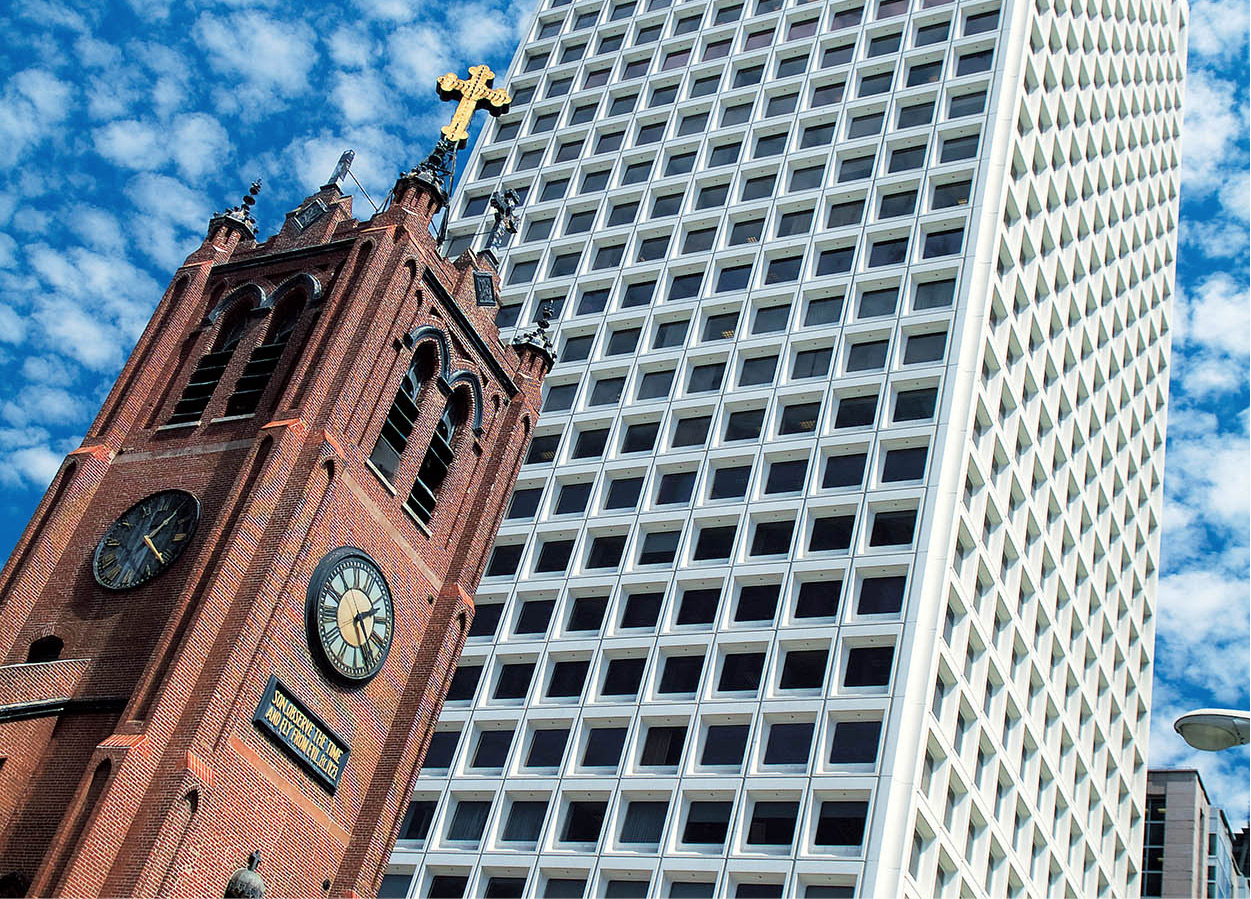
350, 615
146, 539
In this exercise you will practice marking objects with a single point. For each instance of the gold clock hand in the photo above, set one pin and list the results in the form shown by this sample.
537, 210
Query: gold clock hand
154, 532
152, 546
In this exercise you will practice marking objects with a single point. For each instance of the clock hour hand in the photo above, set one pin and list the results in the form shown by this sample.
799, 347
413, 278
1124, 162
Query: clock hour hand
152, 546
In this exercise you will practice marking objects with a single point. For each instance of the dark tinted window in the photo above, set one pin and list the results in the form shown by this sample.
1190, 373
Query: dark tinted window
587, 613
724, 744
844, 471
603, 747
699, 606
641, 610
855, 742
818, 599
788, 744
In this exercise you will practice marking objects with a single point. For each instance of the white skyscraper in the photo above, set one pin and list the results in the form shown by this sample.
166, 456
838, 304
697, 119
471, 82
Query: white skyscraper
831, 570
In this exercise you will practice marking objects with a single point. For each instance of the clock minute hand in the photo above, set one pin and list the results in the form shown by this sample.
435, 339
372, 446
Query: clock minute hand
157, 529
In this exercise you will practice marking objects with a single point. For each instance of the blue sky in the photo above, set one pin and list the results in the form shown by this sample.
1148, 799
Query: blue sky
125, 125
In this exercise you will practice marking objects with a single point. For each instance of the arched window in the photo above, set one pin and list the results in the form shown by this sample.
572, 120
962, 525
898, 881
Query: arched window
209, 370
398, 425
45, 649
435, 465
264, 360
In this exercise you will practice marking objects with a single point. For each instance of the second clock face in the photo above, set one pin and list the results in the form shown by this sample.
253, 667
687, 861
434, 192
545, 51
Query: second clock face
350, 615
145, 539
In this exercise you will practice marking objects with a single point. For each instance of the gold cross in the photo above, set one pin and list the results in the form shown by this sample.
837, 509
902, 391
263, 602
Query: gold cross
474, 94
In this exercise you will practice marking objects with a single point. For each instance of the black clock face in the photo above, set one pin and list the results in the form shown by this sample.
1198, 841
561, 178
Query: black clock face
146, 539
350, 615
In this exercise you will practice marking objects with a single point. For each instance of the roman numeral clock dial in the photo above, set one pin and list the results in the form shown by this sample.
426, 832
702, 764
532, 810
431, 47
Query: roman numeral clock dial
145, 539
350, 616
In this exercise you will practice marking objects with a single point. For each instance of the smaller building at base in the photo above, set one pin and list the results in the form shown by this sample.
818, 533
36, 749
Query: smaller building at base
1188, 847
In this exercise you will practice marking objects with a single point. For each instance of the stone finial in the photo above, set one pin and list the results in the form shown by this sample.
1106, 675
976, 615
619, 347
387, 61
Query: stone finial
240, 216
246, 883
539, 337
504, 205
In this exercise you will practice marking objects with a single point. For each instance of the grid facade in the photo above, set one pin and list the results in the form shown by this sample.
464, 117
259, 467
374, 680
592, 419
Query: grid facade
830, 569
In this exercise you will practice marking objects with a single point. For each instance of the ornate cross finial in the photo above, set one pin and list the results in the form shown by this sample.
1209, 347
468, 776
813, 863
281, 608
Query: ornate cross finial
474, 94
505, 204
341, 168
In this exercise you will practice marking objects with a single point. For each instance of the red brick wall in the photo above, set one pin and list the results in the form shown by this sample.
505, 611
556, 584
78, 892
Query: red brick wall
192, 786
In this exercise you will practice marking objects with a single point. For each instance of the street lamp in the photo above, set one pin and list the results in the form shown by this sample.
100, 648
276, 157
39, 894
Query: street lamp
1214, 729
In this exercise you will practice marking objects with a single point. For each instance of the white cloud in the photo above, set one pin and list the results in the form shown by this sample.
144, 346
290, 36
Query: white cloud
97, 227
1214, 316
199, 144
37, 465
133, 144
1213, 123
1217, 30
33, 103
350, 47
362, 97
416, 58
272, 58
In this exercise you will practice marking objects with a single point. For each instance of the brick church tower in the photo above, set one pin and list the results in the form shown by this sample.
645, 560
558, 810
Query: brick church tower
230, 625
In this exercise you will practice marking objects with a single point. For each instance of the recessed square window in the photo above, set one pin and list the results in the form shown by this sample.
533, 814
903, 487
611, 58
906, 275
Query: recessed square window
442, 745
784, 270
655, 384
590, 443
893, 528
554, 556
881, 595
914, 405
788, 744
524, 503
934, 294
559, 398
836, 261
712, 197
469, 820
705, 86
800, 418
971, 63
772, 824
641, 610
603, 747
725, 744
685, 287
787, 477
659, 547
855, 742
662, 747
525, 820
417, 821
744, 424
623, 676
885, 44
644, 823
707, 823
504, 559
705, 378
947, 196
925, 348
691, 431
865, 125
741, 672
771, 319
450, 885
681, 675
745, 231
888, 252
535, 616
871, 85
830, 94
773, 538
870, 355
717, 50
932, 34
699, 606
848, 213
514, 680
770, 145
966, 104
486, 619
607, 391
753, 189
572, 498
844, 471
680, 164
623, 341
726, 154
639, 437
905, 464
791, 65
730, 482
811, 364
737, 277
868, 666
841, 823
564, 888
757, 602
818, 599
925, 73
464, 682
878, 302
606, 551
639, 171
906, 159
783, 104
831, 532
587, 613
567, 679
757, 371
584, 821
699, 240
652, 248
856, 411
915, 115
670, 334
902, 203
748, 76
943, 243
817, 136
855, 168
538, 229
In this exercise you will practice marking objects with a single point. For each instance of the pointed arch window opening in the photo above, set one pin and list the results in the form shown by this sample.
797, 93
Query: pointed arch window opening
397, 427
263, 361
209, 370
436, 463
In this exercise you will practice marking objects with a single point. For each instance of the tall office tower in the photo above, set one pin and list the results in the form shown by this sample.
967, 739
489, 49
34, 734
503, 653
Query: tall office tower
1188, 847
830, 571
